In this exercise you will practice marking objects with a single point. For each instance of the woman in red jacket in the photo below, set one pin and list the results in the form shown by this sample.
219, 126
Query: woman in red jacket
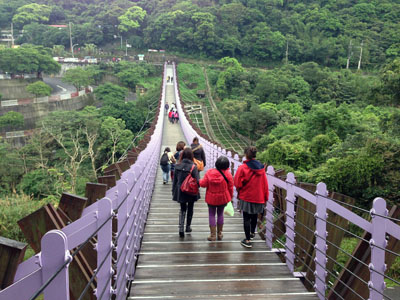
252, 186
219, 184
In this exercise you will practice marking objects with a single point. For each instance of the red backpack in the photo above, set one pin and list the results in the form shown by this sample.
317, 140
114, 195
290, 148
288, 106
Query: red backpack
189, 185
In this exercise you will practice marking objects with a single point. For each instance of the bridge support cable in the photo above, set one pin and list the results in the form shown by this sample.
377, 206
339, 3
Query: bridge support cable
127, 203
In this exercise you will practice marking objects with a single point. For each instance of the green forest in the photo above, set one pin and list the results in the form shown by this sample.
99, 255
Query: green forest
315, 85
339, 127
329, 33
72, 148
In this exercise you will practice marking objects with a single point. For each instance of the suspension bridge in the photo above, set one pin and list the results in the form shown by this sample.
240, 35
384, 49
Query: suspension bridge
121, 241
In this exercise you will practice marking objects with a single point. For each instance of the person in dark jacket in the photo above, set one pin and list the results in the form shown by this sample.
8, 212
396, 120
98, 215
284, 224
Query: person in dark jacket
179, 147
219, 193
166, 163
198, 152
252, 186
182, 170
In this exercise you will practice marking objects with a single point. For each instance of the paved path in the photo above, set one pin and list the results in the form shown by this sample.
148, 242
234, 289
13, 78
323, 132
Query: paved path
59, 87
194, 268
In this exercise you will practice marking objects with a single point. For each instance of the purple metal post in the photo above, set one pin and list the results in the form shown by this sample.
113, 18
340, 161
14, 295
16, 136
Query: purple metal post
289, 245
378, 238
320, 240
54, 254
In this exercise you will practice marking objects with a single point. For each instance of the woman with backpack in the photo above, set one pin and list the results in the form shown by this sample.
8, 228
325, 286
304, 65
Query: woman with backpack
183, 169
179, 147
199, 154
252, 186
166, 160
219, 184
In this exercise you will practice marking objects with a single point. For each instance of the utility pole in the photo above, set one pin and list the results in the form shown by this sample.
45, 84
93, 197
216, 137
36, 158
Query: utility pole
70, 40
349, 54
12, 35
287, 51
359, 61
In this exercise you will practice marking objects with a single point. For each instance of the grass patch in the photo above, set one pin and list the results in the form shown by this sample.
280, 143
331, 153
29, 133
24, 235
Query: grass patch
190, 73
14, 208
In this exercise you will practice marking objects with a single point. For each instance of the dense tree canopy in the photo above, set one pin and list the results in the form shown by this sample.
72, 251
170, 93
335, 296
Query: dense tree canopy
333, 126
327, 32
28, 59
39, 88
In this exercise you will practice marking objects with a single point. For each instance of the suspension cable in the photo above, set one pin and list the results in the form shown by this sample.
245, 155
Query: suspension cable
95, 273
385, 217
335, 200
324, 267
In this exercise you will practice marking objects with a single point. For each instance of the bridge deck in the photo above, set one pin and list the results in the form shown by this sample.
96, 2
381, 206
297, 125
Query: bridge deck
194, 268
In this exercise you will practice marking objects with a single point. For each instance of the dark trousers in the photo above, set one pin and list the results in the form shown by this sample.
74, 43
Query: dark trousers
187, 206
249, 224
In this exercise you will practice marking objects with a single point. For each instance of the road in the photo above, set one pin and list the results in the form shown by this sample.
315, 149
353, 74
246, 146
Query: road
58, 86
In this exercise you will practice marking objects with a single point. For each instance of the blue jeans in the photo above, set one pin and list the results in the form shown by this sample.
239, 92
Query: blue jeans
166, 170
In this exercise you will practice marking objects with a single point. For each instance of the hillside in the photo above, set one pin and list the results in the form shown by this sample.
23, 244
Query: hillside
327, 32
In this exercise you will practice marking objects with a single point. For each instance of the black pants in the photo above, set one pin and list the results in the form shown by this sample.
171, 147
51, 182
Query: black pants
187, 206
249, 224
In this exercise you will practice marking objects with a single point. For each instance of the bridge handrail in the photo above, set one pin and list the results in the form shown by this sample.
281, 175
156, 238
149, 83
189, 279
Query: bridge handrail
128, 202
378, 227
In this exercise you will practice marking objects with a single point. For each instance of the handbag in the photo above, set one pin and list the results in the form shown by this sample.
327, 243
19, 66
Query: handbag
189, 185
199, 163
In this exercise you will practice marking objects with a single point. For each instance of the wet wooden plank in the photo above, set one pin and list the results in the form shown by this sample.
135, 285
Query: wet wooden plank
216, 287
210, 258
198, 247
284, 296
196, 221
234, 271
172, 227
201, 237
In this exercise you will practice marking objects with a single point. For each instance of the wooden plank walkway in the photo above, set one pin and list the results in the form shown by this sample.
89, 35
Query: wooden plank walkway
194, 268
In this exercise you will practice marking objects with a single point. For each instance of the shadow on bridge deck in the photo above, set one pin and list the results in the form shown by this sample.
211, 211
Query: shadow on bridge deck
194, 268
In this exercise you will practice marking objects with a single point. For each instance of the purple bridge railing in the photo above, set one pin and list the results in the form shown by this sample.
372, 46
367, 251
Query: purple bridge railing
379, 227
128, 202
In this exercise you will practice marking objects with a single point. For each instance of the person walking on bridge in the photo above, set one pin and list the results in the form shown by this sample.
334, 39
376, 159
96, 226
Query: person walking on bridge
179, 148
176, 117
199, 154
185, 167
166, 108
252, 186
219, 184
167, 158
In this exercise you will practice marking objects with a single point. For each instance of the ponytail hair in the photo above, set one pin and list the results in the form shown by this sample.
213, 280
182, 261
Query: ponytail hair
250, 152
